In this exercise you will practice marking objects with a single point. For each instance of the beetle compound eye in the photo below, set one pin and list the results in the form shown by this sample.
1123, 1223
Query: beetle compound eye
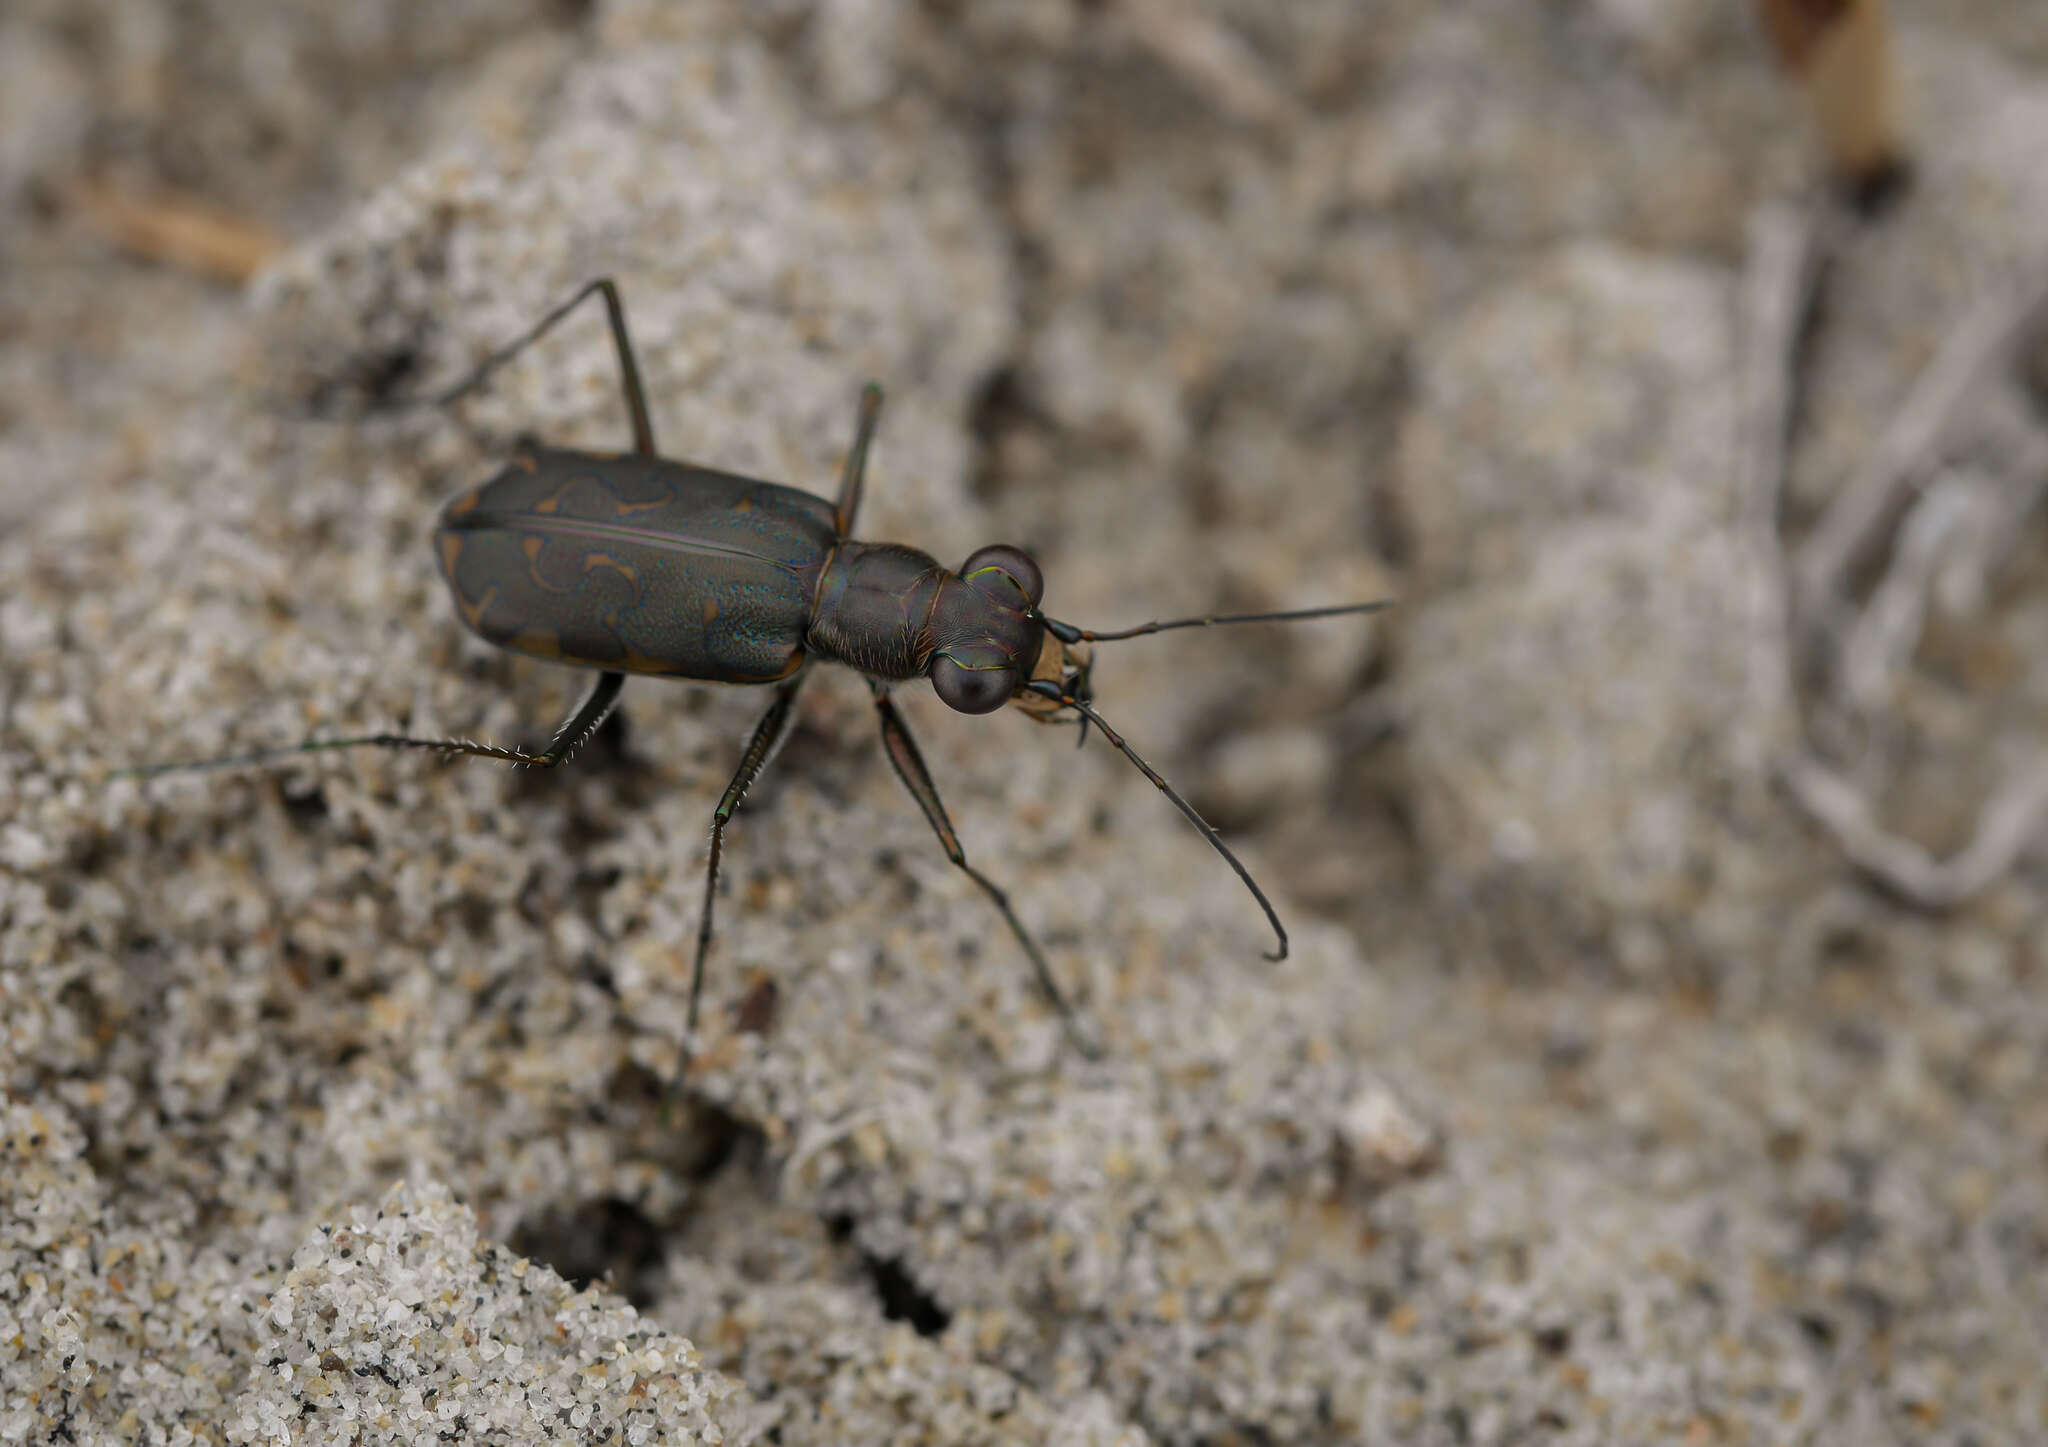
971, 690
1012, 561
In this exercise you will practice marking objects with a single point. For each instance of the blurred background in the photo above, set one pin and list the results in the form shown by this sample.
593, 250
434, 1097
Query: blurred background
1679, 367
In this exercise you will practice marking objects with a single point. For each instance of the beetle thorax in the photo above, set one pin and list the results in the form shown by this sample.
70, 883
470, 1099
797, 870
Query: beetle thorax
874, 608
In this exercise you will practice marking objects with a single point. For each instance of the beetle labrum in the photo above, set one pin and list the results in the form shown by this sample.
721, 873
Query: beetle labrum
634, 563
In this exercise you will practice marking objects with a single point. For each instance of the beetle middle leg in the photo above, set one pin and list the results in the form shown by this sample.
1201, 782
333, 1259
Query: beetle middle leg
768, 736
853, 477
910, 768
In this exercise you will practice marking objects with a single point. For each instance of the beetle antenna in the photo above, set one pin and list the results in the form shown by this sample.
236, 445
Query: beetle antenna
1046, 688
1068, 633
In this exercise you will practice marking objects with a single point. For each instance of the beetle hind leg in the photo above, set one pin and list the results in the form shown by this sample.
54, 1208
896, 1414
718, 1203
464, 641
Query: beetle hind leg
596, 707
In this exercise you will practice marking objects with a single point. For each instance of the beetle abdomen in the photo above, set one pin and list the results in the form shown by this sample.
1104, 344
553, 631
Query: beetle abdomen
638, 564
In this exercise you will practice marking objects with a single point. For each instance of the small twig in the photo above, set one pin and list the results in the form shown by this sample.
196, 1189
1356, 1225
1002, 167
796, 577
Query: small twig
1789, 251
1840, 52
1958, 534
1966, 516
1979, 345
2009, 820
2019, 473
179, 231
1885, 635
1210, 58
822, 1136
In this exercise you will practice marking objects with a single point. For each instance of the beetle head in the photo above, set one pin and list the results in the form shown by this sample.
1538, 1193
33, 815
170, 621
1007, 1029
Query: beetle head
987, 629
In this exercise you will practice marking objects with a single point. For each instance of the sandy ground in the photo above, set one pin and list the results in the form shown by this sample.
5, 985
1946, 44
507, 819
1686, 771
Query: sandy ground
1660, 1054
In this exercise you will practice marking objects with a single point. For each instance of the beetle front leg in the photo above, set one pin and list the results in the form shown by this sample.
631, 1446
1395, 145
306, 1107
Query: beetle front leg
768, 736
910, 768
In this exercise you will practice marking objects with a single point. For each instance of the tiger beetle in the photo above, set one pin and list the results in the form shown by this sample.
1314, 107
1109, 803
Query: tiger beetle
634, 563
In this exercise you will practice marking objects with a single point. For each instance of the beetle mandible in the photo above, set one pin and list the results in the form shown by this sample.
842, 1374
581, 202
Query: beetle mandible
635, 563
